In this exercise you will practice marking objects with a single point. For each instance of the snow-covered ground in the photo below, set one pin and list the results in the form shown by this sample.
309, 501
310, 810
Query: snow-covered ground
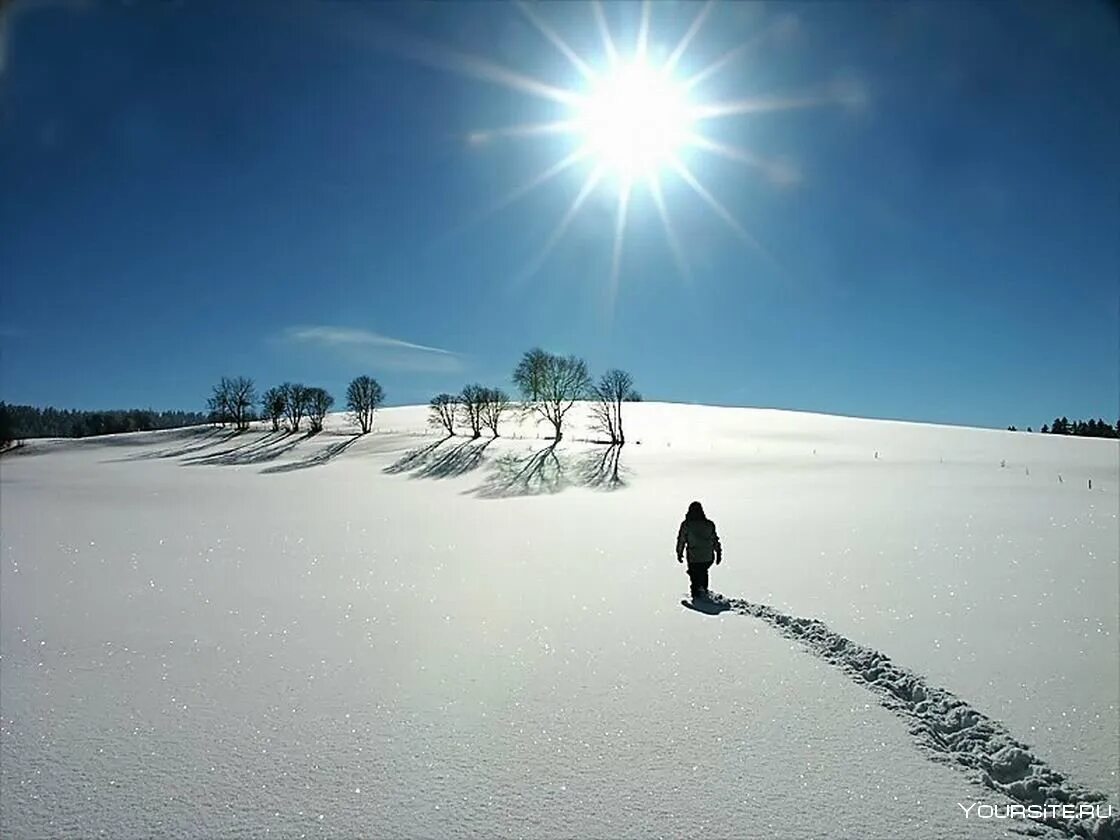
206, 635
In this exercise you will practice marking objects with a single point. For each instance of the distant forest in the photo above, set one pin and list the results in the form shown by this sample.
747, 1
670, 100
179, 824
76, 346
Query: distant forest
1080, 428
20, 422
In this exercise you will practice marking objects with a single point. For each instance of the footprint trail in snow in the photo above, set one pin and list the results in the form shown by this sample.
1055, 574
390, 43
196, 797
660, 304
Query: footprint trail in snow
948, 727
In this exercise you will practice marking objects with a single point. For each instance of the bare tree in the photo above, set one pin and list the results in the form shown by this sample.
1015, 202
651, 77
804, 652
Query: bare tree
530, 373
273, 404
243, 396
295, 403
562, 381
219, 405
613, 389
319, 402
232, 402
443, 410
495, 404
363, 398
472, 402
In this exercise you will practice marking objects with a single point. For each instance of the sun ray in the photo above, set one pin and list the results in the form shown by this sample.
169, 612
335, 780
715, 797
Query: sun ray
524, 130
730, 152
546, 175
757, 105
654, 185
776, 28
616, 251
779, 173
717, 207
717, 65
443, 57
678, 51
520, 191
551, 34
566, 220
492, 72
643, 33
605, 32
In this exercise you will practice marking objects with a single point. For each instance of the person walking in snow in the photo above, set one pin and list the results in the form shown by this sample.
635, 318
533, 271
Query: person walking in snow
698, 535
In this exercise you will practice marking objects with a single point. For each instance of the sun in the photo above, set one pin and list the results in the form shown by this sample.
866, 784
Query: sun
634, 120
642, 126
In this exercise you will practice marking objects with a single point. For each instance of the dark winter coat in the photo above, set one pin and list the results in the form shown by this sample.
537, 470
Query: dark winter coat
700, 539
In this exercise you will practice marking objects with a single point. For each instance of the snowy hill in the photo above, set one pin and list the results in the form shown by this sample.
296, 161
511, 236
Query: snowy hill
206, 634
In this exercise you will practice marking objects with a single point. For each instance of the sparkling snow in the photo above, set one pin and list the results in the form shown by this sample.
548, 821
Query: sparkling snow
208, 635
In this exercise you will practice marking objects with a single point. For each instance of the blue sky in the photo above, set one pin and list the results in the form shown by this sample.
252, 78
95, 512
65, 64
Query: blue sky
300, 192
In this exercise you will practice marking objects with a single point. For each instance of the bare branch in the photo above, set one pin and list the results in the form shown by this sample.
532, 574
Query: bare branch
363, 397
613, 389
530, 373
273, 405
318, 403
232, 402
496, 404
471, 402
444, 407
551, 384
295, 404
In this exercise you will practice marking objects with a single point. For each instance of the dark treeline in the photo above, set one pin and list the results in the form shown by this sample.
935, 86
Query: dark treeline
1082, 428
20, 422
1079, 428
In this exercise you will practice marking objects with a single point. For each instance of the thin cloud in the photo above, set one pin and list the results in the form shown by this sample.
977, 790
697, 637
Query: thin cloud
374, 348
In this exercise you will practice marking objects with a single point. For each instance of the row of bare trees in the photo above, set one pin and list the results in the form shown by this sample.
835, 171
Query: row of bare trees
232, 401
475, 407
291, 402
549, 386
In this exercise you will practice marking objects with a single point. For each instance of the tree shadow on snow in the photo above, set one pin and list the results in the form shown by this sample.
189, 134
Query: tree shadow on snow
251, 443
458, 460
435, 461
602, 471
415, 458
268, 448
323, 456
544, 471
196, 441
518, 475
